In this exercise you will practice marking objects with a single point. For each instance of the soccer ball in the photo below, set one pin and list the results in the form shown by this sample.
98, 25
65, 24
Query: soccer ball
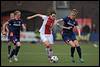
54, 59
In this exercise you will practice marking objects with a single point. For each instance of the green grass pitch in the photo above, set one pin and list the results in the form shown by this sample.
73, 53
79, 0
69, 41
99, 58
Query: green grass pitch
35, 55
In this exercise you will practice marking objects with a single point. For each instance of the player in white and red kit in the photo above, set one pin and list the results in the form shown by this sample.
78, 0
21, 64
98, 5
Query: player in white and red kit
46, 31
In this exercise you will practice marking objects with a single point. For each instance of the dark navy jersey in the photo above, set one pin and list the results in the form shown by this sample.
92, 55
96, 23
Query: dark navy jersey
68, 22
15, 26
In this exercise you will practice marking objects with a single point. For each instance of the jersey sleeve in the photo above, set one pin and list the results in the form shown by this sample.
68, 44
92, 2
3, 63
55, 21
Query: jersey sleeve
44, 17
65, 19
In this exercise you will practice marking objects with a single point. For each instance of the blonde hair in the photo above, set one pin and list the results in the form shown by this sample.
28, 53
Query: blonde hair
74, 11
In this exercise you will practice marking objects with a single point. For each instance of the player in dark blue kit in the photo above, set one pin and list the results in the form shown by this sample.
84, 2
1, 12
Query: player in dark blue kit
69, 35
14, 27
7, 30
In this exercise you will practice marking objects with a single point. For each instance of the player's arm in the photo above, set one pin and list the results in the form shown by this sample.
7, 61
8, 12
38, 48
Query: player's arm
63, 26
4, 27
7, 29
24, 27
30, 17
58, 21
78, 29
61, 20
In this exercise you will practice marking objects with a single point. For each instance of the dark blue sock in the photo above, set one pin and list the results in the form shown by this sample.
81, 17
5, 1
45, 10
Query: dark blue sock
79, 51
17, 50
72, 51
9, 48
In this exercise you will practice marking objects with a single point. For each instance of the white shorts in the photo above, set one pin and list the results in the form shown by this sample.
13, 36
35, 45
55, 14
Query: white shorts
48, 38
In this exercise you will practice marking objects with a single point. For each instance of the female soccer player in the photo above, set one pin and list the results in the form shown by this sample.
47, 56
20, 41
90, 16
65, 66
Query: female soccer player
6, 30
46, 31
69, 35
14, 27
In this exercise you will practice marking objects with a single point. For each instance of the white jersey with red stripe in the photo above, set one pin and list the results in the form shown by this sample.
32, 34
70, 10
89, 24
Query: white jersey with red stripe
47, 25
46, 29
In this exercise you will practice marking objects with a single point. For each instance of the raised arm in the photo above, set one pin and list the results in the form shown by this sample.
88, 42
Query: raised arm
30, 17
61, 20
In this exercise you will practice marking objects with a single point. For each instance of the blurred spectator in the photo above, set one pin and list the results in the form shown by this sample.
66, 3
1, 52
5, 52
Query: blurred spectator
93, 28
85, 30
94, 35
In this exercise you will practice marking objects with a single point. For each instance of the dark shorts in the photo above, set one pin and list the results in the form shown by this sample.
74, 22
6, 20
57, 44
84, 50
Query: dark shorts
68, 36
14, 38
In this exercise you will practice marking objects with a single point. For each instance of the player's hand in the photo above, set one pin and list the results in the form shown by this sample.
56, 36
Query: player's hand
69, 27
11, 33
28, 18
58, 24
4, 33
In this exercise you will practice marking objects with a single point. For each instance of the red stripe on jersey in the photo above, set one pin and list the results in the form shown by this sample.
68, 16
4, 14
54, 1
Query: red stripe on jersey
49, 25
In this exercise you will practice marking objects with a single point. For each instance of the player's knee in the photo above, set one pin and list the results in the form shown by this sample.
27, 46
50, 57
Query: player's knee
18, 44
46, 43
73, 46
77, 45
48, 46
76, 42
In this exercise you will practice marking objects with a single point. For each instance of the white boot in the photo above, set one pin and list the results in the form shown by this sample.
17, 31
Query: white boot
15, 58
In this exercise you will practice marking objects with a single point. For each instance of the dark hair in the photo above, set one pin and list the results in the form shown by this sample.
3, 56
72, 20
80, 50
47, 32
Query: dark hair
51, 11
16, 12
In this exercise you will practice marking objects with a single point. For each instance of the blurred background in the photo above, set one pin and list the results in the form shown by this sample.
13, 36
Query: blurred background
88, 17
32, 51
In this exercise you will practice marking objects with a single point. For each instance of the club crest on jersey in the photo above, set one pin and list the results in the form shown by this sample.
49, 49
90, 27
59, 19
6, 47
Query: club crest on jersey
16, 24
72, 24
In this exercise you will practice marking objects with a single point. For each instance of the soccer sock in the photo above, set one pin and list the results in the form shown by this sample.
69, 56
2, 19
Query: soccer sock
14, 44
79, 51
17, 50
12, 53
49, 51
72, 51
9, 48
